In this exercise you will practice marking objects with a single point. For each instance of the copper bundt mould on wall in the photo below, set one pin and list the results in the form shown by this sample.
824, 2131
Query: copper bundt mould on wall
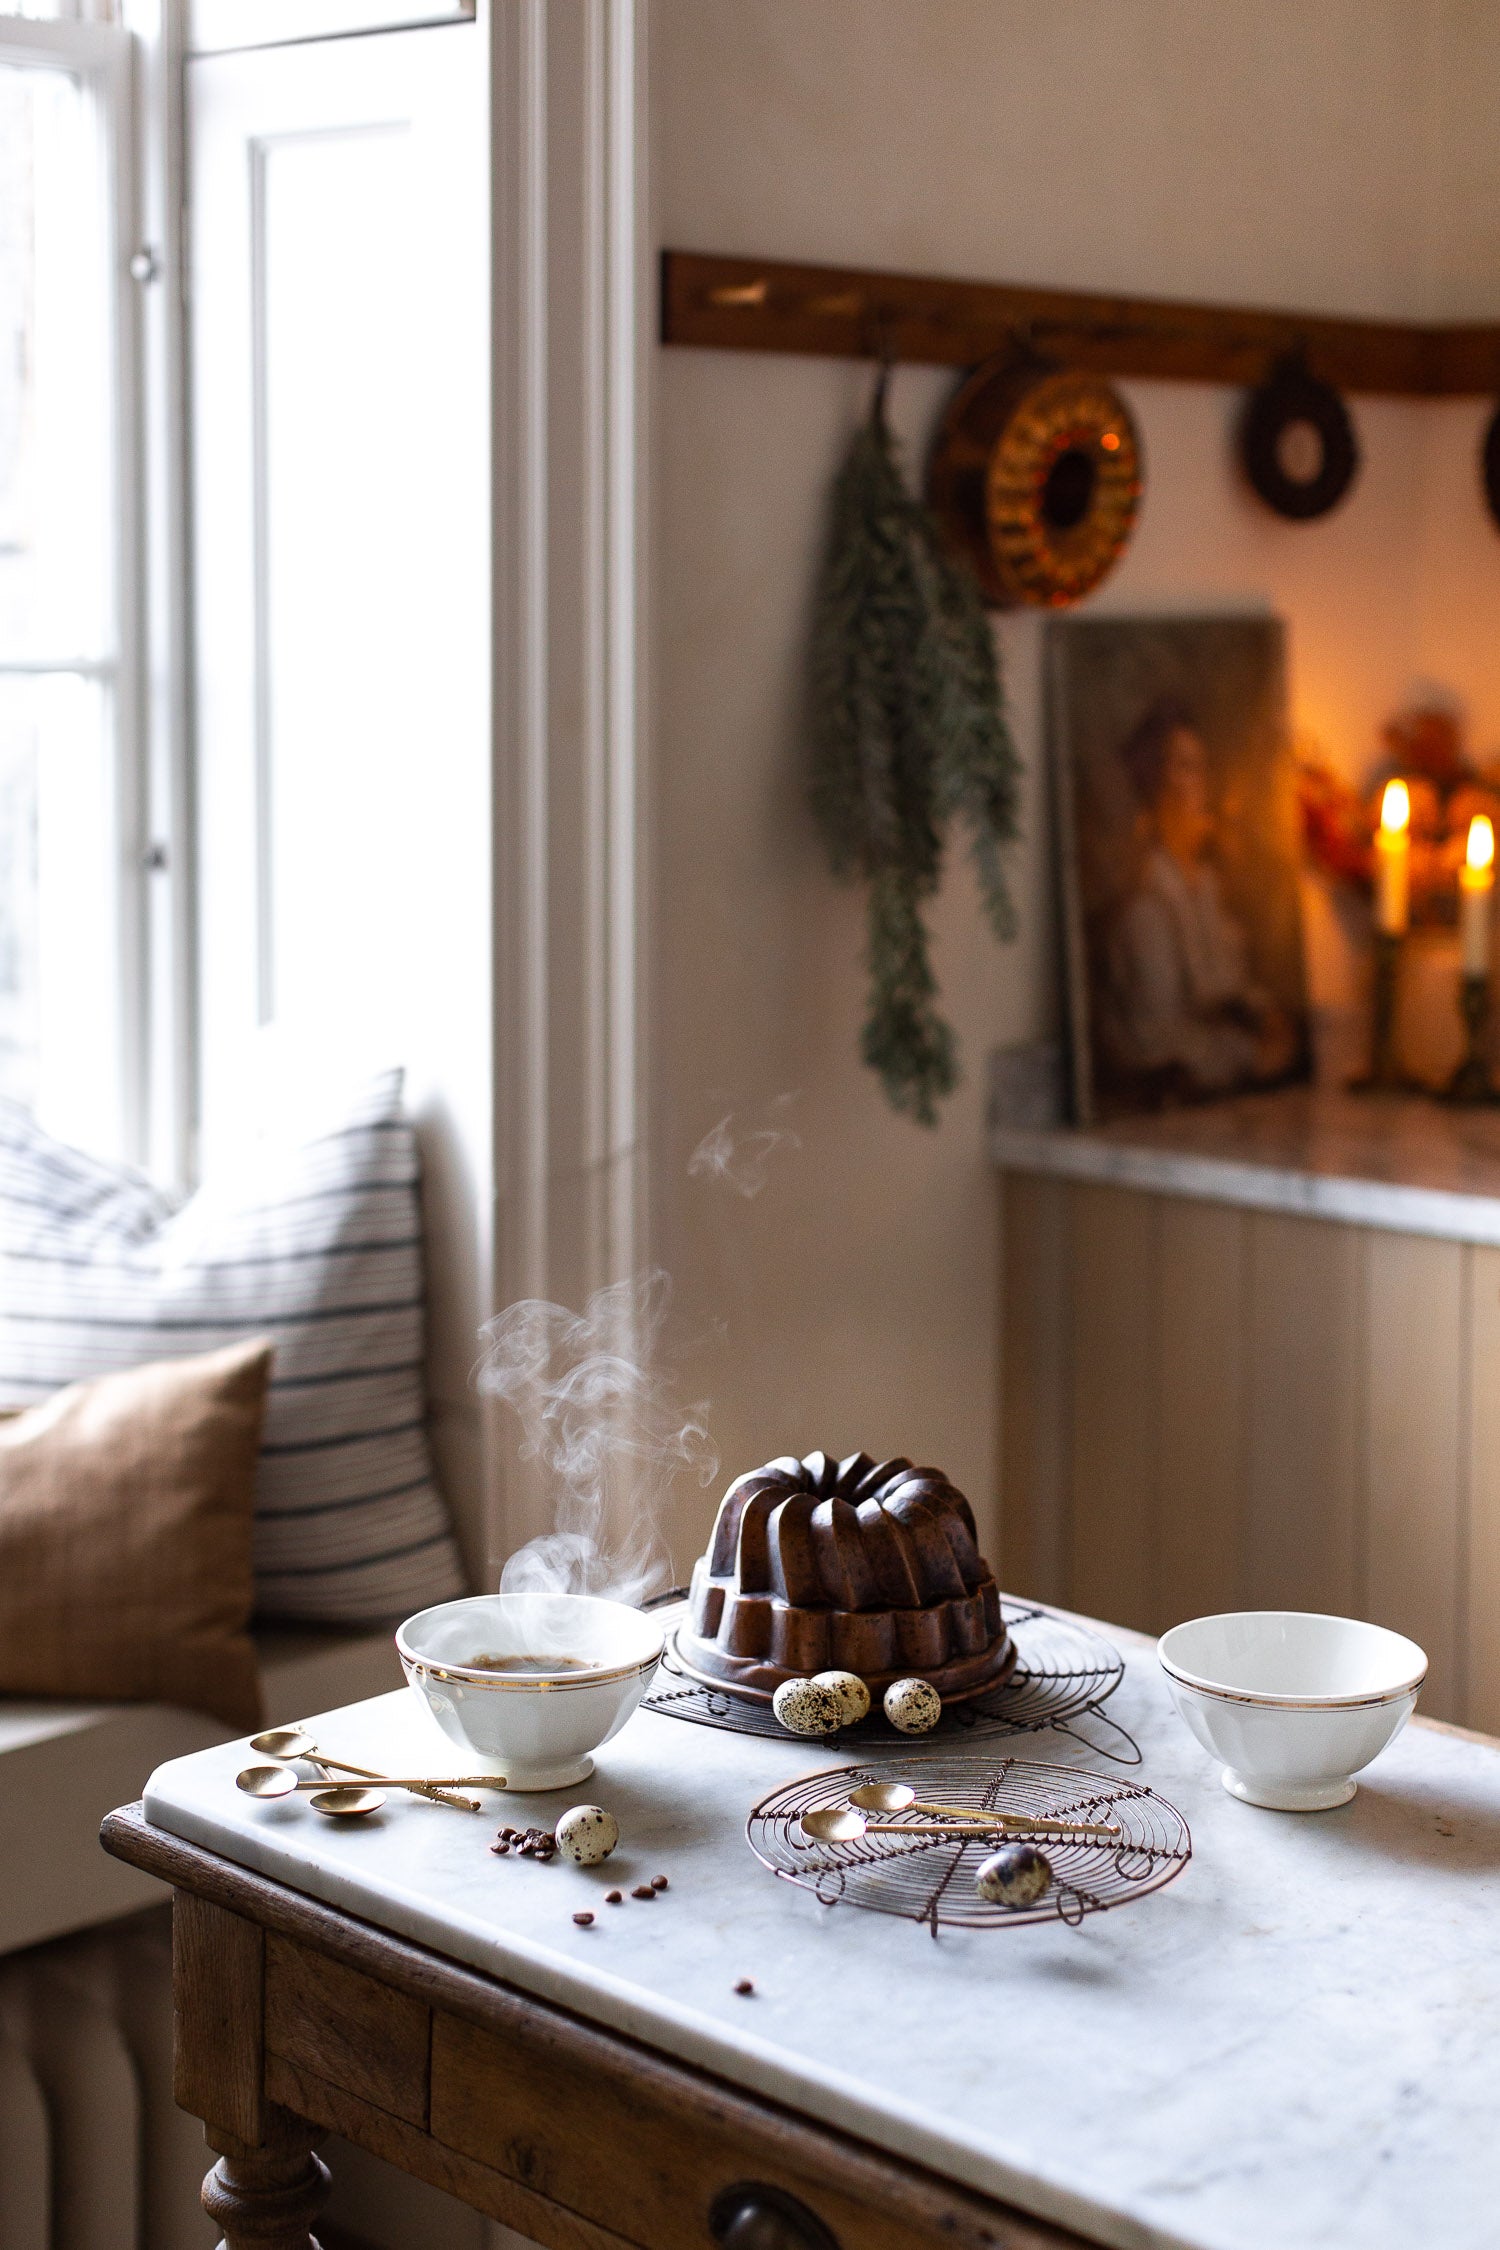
855, 1565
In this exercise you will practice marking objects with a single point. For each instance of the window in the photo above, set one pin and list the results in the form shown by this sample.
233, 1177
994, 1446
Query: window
70, 829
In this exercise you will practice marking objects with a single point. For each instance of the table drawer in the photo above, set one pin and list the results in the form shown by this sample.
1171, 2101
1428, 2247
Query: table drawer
582, 2138
647, 2150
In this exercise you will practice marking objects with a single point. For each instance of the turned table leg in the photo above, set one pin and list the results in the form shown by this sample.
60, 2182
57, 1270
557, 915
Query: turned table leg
266, 2198
267, 2187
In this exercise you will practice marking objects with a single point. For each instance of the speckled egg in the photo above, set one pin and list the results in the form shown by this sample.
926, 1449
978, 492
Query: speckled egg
807, 1707
1016, 1875
913, 1705
853, 1695
586, 1834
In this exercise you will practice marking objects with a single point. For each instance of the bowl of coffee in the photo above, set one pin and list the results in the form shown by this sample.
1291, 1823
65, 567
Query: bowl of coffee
530, 1684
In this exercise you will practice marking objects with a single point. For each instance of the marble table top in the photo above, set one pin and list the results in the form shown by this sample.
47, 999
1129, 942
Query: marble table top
1295, 2044
1399, 1162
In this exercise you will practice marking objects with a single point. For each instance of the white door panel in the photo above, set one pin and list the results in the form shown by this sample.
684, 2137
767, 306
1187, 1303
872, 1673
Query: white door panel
339, 331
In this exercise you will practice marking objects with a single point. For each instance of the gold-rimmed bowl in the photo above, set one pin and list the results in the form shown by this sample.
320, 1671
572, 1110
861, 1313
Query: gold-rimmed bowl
590, 1661
1294, 1702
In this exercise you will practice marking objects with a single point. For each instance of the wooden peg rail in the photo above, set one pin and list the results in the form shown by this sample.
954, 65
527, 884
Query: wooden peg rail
845, 312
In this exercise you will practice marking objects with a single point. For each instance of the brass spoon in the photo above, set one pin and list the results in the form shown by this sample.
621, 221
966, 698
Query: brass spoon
347, 1804
294, 1742
285, 1742
270, 1781
895, 1797
844, 1824
280, 1781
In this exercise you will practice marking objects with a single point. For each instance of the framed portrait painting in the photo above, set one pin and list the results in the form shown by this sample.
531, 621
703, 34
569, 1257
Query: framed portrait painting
1179, 841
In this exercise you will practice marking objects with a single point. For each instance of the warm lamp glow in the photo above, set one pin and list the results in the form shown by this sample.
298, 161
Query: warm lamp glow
1481, 851
1395, 810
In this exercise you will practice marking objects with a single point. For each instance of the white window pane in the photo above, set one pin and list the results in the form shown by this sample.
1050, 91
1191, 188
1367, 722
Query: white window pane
59, 908
66, 11
55, 367
20, 981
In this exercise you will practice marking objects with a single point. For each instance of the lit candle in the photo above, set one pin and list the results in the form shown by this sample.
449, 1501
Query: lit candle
1393, 860
1476, 885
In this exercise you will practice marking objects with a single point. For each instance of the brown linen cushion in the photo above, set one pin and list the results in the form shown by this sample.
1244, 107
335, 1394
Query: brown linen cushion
125, 1522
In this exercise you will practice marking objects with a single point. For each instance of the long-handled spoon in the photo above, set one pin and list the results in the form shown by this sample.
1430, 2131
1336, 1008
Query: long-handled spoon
845, 1824
295, 1742
280, 1781
895, 1797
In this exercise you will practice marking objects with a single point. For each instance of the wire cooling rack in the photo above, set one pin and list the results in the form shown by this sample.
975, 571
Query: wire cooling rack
1064, 1673
931, 1881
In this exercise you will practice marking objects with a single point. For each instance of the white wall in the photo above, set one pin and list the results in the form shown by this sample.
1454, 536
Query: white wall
1332, 153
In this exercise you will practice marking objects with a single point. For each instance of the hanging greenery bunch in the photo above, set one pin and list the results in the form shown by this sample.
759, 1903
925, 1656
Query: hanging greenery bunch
908, 734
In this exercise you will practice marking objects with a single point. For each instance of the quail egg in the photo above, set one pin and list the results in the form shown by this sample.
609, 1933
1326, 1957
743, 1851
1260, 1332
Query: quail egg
586, 1834
807, 1707
853, 1695
1016, 1875
913, 1705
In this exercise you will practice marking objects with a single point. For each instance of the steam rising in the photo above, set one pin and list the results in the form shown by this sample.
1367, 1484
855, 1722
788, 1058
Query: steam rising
603, 1423
741, 1157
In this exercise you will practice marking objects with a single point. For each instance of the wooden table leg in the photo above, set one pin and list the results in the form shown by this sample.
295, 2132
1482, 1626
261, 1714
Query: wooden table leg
267, 2197
267, 2187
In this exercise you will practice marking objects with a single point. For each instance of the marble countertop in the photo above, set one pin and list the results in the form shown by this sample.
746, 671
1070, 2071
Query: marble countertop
1399, 1162
1296, 2043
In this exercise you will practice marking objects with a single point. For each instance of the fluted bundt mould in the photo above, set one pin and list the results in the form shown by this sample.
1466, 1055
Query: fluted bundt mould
857, 1565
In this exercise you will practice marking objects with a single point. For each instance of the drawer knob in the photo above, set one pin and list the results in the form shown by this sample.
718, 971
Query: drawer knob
753, 2216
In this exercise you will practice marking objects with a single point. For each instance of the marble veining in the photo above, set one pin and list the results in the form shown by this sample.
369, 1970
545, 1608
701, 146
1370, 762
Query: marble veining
1397, 1162
1296, 2044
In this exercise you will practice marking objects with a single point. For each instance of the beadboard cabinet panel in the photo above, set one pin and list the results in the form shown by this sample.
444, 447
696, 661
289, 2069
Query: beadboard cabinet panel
1112, 1532
1304, 1419
1416, 1387
1034, 1461
1201, 1368
1482, 1586
1206, 1407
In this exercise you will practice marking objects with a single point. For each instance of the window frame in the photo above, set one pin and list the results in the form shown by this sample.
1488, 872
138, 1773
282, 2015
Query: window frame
101, 55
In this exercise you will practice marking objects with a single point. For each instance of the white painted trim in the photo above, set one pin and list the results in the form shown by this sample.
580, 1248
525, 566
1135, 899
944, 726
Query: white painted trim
572, 335
217, 27
170, 1058
93, 48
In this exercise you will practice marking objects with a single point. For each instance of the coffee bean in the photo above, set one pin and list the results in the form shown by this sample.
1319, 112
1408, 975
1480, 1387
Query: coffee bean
583, 1920
643, 1890
744, 1986
614, 1898
502, 1849
658, 1882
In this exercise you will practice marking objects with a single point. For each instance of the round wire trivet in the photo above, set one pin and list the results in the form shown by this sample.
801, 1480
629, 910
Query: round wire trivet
1063, 1675
932, 1880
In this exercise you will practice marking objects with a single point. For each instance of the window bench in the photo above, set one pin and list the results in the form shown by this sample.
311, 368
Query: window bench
63, 1766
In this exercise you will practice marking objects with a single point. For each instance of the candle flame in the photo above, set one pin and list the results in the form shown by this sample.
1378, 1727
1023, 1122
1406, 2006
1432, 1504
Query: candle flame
1481, 851
1395, 808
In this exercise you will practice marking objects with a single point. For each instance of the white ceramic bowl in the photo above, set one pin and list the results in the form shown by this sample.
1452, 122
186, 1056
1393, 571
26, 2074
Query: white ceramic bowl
1294, 1703
537, 1729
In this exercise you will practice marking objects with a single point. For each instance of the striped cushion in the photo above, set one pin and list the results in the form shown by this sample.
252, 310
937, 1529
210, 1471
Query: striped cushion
317, 1245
